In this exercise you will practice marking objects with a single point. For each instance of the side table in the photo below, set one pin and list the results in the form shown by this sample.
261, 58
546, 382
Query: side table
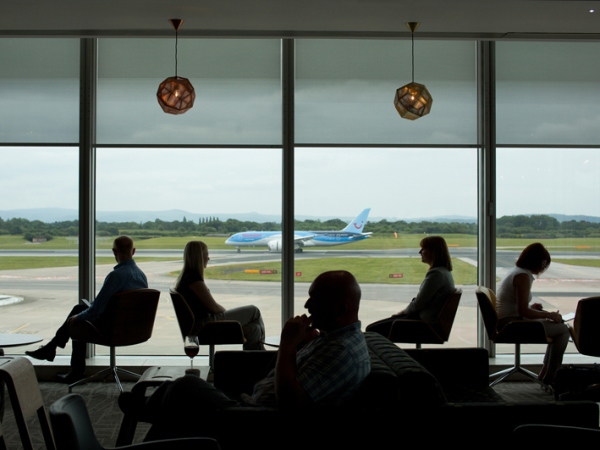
152, 377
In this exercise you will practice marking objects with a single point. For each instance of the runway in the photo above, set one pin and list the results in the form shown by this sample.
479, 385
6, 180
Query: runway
49, 293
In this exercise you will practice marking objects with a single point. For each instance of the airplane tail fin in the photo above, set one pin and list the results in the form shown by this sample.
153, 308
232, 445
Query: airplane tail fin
358, 224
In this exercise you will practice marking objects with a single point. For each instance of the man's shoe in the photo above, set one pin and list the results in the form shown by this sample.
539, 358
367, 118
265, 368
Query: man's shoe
70, 377
45, 352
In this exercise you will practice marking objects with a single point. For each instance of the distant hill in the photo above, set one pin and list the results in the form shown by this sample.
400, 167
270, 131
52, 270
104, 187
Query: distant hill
565, 218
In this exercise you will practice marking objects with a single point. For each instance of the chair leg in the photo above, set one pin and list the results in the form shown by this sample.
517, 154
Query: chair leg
211, 360
517, 368
112, 370
102, 374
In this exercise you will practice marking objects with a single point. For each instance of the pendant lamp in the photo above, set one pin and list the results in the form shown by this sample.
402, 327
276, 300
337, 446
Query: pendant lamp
176, 94
412, 100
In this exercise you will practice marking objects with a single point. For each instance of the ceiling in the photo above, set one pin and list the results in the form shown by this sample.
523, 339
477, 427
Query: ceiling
453, 19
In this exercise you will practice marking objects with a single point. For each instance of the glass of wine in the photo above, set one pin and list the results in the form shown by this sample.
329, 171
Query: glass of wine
191, 348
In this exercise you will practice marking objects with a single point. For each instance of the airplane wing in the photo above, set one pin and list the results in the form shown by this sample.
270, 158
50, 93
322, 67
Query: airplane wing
303, 239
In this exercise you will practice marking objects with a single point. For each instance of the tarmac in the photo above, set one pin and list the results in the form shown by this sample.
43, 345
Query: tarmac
37, 300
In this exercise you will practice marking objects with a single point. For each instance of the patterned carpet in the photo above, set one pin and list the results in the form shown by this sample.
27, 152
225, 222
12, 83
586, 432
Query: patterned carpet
101, 400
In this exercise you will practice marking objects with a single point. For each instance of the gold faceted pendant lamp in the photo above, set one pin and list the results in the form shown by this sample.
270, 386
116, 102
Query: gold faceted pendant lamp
176, 94
412, 100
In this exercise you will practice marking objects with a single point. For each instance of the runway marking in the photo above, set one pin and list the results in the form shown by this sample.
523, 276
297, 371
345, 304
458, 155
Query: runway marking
166, 317
20, 328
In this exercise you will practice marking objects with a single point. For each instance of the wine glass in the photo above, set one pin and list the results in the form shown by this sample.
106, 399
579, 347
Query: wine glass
191, 348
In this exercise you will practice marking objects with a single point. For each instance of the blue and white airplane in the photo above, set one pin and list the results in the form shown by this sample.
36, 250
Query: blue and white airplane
272, 239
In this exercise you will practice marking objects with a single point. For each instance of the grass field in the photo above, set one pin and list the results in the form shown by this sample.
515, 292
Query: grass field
366, 270
376, 242
579, 262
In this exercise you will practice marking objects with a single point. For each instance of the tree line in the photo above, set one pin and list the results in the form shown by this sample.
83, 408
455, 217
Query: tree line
520, 226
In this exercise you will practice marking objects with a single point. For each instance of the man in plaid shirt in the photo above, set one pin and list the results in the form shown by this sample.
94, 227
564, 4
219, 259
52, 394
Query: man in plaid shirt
323, 358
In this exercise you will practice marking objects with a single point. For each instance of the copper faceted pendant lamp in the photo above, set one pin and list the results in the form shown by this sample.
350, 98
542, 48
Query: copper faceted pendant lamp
176, 94
413, 100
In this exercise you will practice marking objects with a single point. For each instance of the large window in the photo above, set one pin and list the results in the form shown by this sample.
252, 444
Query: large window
217, 170
163, 197
193, 191
344, 95
547, 96
38, 239
39, 131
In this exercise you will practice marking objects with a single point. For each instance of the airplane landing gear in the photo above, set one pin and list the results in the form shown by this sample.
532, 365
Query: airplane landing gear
298, 250
238, 250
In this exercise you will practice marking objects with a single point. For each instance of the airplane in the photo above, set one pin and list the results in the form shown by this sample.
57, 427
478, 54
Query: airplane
273, 240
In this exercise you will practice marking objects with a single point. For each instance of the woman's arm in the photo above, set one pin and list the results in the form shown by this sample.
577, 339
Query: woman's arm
203, 293
522, 286
432, 283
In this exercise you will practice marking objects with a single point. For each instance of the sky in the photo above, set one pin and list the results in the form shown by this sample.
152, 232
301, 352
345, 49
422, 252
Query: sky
394, 183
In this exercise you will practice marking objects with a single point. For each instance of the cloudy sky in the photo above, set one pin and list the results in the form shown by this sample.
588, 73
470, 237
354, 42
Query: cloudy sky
401, 183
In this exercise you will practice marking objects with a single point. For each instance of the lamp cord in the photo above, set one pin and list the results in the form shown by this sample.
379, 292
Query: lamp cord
176, 39
412, 38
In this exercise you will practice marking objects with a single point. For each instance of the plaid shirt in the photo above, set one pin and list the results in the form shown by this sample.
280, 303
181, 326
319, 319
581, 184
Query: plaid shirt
330, 368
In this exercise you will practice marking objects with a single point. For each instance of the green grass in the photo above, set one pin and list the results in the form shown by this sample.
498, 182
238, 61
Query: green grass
579, 262
28, 262
378, 242
366, 270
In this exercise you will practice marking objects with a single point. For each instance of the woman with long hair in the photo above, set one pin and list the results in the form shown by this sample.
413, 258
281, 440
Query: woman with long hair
192, 286
513, 303
435, 289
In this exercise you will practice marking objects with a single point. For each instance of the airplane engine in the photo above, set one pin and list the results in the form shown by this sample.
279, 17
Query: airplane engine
276, 246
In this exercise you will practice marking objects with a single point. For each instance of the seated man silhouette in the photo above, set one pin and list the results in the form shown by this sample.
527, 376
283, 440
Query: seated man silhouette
322, 359
126, 275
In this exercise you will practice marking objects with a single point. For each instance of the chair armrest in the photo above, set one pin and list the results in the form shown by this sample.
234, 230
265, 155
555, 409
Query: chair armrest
190, 443
84, 330
523, 331
415, 331
238, 371
455, 366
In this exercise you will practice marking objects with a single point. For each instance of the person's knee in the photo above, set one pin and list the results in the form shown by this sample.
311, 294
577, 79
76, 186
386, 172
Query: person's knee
256, 314
79, 308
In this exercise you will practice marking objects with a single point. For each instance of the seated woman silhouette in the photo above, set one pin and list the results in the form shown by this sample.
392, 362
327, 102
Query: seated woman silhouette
435, 289
513, 303
190, 284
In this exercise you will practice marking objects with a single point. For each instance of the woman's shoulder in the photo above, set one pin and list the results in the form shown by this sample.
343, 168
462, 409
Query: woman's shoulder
441, 276
520, 272
439, 271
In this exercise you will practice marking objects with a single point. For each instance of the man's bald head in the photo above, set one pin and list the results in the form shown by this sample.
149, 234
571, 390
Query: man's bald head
123, 248
334, 300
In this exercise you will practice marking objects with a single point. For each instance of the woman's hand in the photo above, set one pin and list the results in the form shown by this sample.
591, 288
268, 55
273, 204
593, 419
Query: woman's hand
398, 313
537, 306
554, 316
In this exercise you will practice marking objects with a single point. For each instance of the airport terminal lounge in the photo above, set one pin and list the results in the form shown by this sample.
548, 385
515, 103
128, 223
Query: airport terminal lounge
233, 215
